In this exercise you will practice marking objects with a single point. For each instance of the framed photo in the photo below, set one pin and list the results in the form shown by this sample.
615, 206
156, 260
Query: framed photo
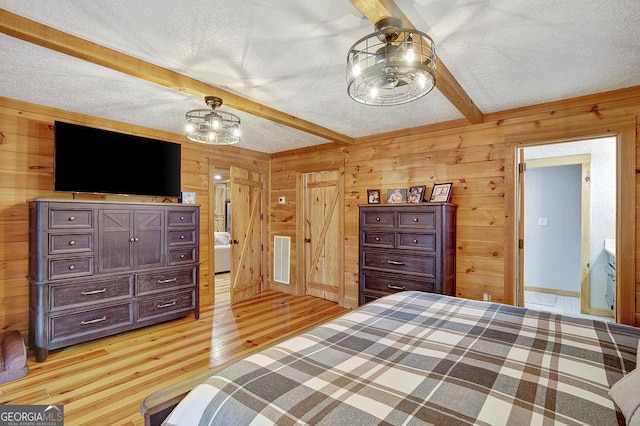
373, 196
441, 193
416, 194
396, 196
188, 197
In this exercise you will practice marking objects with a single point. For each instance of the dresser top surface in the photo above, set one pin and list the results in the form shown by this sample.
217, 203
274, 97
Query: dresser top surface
139, 203
392, 205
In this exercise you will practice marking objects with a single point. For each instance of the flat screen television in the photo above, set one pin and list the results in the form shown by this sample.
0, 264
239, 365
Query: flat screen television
100, 161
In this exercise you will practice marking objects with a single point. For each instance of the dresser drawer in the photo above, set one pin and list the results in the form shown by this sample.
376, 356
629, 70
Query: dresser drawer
378, 218
165, 304
396, 261
178, 256
70, 267
417, 219
64, 296
179, 237
70, 243
90, 322
70, 218
378, 239
392, 283
179, 218
415, 241
163, 281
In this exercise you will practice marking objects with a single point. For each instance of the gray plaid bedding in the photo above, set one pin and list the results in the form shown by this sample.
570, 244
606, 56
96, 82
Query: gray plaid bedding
420, 358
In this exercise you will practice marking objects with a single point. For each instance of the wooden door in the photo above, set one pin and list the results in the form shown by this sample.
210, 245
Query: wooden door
246, 234
323, 220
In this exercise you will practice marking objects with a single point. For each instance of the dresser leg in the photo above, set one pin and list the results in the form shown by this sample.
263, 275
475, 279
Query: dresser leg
41, 354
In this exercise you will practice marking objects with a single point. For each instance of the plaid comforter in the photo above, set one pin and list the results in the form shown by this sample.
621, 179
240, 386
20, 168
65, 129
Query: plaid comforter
420, 358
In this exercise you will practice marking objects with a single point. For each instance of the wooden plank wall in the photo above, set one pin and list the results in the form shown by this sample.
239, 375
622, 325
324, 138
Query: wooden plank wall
476, 158
26, 172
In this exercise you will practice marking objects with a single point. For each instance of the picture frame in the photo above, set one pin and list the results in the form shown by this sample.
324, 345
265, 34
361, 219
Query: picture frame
441, 193
416, 194
188, 197
373, 196
396, 196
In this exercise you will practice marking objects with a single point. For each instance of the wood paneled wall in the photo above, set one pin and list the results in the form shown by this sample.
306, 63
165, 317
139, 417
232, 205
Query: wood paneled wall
26, 172
479, 160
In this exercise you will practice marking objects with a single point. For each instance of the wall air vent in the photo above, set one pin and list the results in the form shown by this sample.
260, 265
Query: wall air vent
281, 259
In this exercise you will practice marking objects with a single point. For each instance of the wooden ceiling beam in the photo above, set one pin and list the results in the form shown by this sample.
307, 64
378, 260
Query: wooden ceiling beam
51, 38
374, 10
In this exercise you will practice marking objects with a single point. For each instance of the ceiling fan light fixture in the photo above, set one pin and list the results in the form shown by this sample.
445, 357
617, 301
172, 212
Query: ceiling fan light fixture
391, 66
212, 126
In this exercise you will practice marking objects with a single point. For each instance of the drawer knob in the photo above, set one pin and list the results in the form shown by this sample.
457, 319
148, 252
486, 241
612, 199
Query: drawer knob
72, 243
182, 237
72, 267
415, 241
72, 218
182, 256
377, 238
181, 217
415, 219
93, 321
165, 305
136, 239
377, 219
170, 280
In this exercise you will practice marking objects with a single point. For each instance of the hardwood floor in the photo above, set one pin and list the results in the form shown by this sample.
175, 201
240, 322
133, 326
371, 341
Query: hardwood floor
103, 382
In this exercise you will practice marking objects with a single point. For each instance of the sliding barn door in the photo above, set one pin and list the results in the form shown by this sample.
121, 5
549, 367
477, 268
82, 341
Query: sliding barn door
246, 234
323, 235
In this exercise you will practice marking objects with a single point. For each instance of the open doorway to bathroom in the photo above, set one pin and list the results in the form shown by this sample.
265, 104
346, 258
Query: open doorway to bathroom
568, 212
222, 231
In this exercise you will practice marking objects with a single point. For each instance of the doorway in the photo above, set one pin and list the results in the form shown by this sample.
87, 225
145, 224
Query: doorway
221, 253
568, 211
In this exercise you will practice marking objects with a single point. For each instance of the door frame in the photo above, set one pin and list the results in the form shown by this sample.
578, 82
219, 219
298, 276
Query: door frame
567, 129
584, 161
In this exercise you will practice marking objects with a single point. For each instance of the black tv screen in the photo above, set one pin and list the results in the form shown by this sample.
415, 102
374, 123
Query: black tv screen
100, 161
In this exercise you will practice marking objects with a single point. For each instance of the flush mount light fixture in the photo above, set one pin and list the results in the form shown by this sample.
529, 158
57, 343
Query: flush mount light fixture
213, 126
391, 66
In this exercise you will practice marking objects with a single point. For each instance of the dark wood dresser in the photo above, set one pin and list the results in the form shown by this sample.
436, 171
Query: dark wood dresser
407, 247
102, 268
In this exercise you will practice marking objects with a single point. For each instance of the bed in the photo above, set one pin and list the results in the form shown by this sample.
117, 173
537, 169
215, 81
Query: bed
422, 358
222, 248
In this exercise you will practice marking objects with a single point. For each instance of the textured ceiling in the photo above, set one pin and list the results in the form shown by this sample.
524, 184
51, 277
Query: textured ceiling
290, 56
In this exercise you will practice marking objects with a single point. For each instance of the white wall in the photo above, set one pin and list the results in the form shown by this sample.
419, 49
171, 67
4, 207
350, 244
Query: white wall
552, 248
603, 202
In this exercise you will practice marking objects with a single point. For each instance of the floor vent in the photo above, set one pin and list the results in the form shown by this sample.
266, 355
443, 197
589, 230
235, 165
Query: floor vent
281, 259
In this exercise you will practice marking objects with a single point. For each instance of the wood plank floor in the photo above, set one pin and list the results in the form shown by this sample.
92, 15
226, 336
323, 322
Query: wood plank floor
103, 382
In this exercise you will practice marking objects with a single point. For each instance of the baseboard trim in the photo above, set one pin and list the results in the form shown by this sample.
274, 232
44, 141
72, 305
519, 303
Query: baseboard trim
553, 291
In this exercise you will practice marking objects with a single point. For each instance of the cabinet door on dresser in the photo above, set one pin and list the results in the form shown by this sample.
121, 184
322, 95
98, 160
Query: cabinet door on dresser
130, 239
